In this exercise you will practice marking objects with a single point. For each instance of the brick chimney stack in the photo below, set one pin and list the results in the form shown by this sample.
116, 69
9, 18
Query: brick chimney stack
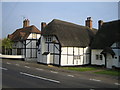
43, 24
26, 23
100, 23
88, 22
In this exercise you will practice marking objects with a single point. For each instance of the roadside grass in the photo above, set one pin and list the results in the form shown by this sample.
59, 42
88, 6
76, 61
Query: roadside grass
96, 70
109, 72
82, 69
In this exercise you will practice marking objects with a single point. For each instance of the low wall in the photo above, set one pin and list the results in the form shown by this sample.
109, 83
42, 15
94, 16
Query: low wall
12, 56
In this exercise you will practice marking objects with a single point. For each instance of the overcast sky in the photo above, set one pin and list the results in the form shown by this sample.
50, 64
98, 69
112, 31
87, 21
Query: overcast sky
13, 13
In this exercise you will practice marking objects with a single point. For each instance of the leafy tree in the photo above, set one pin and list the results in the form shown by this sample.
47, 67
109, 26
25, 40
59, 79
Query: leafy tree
7, 45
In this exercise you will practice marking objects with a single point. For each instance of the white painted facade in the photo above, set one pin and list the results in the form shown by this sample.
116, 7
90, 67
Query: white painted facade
51, 52
46, 50
110, 61
116, 59
71, 56
28, 47
97, 61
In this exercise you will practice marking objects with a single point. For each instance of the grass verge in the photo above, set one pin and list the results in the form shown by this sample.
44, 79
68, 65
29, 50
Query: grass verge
95, 70
109, 72
80, 68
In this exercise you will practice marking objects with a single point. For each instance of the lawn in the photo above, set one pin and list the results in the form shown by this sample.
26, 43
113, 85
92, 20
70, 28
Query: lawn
109, 72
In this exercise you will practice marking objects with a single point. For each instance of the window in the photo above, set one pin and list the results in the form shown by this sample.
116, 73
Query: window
99, 57
18, 51
34, 35
115, 57
49, 39
77, 57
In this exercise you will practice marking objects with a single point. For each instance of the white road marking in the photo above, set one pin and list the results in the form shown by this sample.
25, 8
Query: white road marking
95, 80
70, 75
117, 83
8, 63
39, 69
53, 72
17, 64
3, 68
39, 77
27, 67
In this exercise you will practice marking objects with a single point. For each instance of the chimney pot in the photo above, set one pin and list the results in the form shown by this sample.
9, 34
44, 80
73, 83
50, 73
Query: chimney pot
26, 23
43, 24
100, 23
88, 22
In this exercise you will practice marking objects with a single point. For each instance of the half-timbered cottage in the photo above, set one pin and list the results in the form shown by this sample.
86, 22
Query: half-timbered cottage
65, 44
106, 45
25, 40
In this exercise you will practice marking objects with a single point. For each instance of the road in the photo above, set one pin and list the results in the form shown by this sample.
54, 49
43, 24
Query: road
22, 74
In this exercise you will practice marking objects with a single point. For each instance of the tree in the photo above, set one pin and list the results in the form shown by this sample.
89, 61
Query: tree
7, 45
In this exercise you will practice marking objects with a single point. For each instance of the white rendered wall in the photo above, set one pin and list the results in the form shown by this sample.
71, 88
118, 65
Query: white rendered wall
67, 57
15, 46
113, 61
30, 36
56, 51
31, 45
34, 36
116, 61
48, 59
38, 36
43, 47
109, 61
95, 52
55, 39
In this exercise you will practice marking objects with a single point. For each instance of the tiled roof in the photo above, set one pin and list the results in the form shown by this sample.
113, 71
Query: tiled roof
70, 34
23, 33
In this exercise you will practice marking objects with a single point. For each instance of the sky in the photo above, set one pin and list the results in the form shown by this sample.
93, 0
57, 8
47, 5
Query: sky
13, 13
